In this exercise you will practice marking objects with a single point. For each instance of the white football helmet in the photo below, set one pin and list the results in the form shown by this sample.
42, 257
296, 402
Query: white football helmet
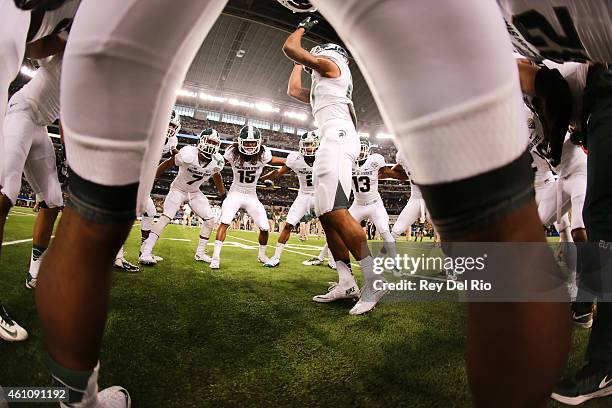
249, 140
175, 124
209, 143
298, 6
330, 49
364, 150
309, 143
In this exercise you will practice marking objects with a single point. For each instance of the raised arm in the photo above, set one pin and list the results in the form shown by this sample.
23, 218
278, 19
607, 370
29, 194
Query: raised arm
293, 50
164, 166
295, 88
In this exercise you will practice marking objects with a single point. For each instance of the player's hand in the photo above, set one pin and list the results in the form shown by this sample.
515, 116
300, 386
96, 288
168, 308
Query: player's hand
307, 24
268, 183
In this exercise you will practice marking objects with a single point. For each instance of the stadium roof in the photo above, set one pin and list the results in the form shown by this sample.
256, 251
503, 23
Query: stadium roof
257, 29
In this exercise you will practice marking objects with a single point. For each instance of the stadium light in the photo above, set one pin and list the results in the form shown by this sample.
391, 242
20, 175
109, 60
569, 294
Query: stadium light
184, 92
237, 102
294, 115
212, 98
266, 107
382, 135
28, 72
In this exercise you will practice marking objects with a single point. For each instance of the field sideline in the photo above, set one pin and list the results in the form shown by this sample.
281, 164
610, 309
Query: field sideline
181, 335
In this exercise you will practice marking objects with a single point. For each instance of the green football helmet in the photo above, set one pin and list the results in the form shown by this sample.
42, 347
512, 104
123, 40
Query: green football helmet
249, 140
309, 143
175, 124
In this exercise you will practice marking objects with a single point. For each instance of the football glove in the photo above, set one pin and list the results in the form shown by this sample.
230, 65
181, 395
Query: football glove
307, 24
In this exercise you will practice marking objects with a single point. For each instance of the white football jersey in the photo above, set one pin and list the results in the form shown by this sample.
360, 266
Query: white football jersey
246, 174
171, 144
415, 191
365, 179
296, 162
573, 159
42, 93
540, 165
58, 20
192, 173
332, 92
560, 30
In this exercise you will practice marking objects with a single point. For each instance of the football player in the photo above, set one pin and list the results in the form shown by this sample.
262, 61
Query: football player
35, 35
247, 157
415, 207
330, 98
300, 163
196, 165
169, 150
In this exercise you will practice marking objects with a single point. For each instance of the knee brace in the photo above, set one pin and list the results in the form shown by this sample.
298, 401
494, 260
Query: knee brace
102, 204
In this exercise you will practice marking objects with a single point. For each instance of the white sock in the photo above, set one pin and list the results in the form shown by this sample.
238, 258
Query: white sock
35, 261
322, 253
217, 250
202, 246
149, 244
279, 250
367, 268
262, 251
389, 244
120, 254
345, 275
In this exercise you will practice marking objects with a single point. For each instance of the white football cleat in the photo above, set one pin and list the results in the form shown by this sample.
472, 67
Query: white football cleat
114, 397
158, 258
331, 264
9, 329
312, 262
124, 265
369, 298
214, 263
30, 282
337, 292
263, 259
202, 257
272, 263
145, 259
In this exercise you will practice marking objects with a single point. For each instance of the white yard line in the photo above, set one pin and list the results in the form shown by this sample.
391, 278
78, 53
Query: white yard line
20, 241
177, 239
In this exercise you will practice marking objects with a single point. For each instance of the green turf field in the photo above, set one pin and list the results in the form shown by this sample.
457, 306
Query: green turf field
181, 335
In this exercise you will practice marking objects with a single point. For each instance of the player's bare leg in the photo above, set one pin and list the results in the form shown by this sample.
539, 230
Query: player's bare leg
41, 236
263, 243
5, 207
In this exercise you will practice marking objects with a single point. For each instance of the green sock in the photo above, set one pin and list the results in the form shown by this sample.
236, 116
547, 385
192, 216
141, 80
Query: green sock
76, 381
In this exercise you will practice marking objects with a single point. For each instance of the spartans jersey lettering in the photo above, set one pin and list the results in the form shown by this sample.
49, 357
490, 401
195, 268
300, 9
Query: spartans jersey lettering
192, 173
560, 30
332, 92
415, 191
296, 162
42, 93
58, 20
537, 149
365, 179
246, 174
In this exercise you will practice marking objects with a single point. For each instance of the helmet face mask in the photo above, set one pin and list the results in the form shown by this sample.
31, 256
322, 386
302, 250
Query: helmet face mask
298, 6
249, 140
209, 143
364, 150
309, 143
